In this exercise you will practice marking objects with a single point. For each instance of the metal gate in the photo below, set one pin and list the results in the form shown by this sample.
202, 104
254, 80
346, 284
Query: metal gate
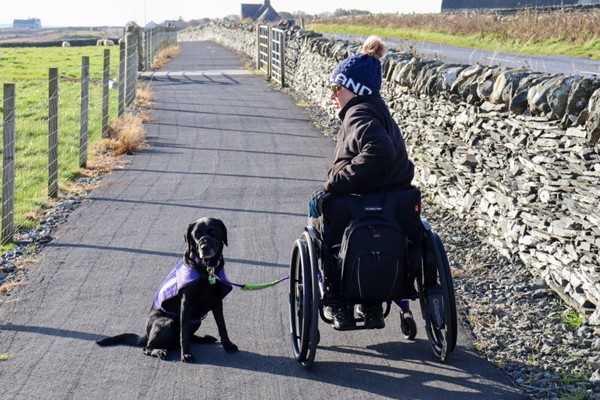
278, 55
271, 53
262, 63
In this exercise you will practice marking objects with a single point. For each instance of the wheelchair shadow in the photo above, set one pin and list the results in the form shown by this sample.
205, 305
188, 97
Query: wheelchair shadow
415, 373
421, 376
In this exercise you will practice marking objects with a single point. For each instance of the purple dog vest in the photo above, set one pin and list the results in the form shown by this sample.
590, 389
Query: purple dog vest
180, 277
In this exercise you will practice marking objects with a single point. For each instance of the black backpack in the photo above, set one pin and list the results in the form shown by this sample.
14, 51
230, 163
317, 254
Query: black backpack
373, 253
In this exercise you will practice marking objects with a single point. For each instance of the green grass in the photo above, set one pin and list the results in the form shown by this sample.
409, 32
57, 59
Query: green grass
572, 319
495, 42
28, 69
5, 357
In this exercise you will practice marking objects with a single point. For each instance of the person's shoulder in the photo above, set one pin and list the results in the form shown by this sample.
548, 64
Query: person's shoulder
369, 108
364, 105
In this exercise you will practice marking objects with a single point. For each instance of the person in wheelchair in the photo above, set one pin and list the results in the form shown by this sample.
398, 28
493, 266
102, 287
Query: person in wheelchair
370, 157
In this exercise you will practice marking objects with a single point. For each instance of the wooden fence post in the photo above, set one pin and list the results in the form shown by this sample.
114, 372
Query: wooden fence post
130, 67
121, 105
258, 47
8, 163
83, 116
53, 133
105, 95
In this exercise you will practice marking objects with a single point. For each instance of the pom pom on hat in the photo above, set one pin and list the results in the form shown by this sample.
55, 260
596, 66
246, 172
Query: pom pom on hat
374, 46
361, 73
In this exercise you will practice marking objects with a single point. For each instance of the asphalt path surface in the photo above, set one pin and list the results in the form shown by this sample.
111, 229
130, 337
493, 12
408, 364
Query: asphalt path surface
221, 144
465, 55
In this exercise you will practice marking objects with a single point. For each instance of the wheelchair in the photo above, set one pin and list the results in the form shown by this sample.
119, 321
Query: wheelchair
428, 280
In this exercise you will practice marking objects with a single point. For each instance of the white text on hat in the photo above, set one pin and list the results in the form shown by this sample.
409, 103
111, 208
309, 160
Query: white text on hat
356, 87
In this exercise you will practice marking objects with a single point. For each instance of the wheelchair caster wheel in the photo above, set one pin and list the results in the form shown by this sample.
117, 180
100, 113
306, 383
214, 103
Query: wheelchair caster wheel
408, 325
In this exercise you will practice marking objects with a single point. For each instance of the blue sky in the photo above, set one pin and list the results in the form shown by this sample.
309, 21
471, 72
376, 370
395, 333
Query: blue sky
119, 12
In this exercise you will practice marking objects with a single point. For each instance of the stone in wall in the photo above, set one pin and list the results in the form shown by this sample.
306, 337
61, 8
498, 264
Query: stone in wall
592, 125
579, 98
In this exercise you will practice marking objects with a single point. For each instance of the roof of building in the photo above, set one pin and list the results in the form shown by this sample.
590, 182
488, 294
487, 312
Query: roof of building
260, 12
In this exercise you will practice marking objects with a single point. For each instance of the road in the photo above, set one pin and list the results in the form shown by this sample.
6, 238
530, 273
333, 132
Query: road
228, 146
464, 55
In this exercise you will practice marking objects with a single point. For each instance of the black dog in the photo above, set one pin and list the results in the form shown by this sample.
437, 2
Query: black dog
194, 287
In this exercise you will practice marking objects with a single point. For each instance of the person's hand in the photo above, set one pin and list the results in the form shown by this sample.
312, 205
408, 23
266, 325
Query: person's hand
315, 204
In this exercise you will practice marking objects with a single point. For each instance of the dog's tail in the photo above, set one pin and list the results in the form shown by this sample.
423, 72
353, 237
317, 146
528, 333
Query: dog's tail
126, 339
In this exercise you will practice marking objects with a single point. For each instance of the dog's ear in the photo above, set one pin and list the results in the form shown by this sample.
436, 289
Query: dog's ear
224, 232
189, 240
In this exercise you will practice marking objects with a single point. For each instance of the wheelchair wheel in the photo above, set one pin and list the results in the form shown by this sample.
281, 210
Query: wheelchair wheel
438, 303
313, 333
408, 325
303, 308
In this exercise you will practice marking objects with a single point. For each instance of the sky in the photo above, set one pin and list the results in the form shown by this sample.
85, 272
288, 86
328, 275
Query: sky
119, 12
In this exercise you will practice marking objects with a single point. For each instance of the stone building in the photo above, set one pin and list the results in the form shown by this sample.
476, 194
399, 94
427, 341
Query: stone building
31, 23
260, 12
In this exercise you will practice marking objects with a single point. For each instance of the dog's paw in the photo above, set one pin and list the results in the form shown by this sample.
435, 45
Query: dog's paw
187, 358
230, 347
158, 353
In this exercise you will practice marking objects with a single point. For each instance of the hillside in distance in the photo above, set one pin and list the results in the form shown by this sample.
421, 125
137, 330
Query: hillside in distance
16, 36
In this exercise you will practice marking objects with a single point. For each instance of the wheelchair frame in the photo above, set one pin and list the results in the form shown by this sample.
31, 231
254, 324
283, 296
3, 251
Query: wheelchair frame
437, 300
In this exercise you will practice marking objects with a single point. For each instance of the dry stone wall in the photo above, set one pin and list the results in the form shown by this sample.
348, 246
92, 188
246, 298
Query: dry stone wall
511, 150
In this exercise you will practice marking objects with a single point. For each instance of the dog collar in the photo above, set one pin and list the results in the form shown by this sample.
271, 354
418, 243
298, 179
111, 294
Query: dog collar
210, 268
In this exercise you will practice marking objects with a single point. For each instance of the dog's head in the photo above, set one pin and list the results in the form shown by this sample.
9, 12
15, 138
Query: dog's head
205, 239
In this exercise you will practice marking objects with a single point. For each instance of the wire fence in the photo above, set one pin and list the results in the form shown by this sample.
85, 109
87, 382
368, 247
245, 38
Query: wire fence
48, 123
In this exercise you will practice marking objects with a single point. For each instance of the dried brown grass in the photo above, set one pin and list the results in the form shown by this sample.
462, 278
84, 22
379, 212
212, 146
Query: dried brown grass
125, 136
165, 56
7, 287
525, 26
144, 98
127, 133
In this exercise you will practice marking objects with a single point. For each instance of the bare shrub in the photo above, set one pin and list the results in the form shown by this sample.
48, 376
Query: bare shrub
126, 135
165, 56
145, 96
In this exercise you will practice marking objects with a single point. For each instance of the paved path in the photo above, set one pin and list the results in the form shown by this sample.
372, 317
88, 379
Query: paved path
222, 145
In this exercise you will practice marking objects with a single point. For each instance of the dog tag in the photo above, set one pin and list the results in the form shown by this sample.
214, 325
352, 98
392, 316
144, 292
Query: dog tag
212, 278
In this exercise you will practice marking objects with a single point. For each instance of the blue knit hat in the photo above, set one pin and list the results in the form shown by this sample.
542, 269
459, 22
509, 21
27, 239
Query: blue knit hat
359, 73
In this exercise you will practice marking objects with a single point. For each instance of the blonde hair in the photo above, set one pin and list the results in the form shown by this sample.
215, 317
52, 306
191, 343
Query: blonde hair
374, 46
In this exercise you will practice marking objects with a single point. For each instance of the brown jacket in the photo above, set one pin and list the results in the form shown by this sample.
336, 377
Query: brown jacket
370, 154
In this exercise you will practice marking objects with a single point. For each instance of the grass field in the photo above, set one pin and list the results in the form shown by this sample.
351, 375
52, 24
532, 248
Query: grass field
28, 69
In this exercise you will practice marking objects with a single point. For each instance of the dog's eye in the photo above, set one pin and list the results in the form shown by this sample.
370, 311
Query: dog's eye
211, 231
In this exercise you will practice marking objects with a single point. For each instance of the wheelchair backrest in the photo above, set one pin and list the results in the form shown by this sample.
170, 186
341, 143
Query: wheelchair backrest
375, 250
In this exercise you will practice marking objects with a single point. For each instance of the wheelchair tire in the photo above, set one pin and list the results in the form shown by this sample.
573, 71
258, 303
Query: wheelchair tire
438, 295
408, 325
314, 335
299, 299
